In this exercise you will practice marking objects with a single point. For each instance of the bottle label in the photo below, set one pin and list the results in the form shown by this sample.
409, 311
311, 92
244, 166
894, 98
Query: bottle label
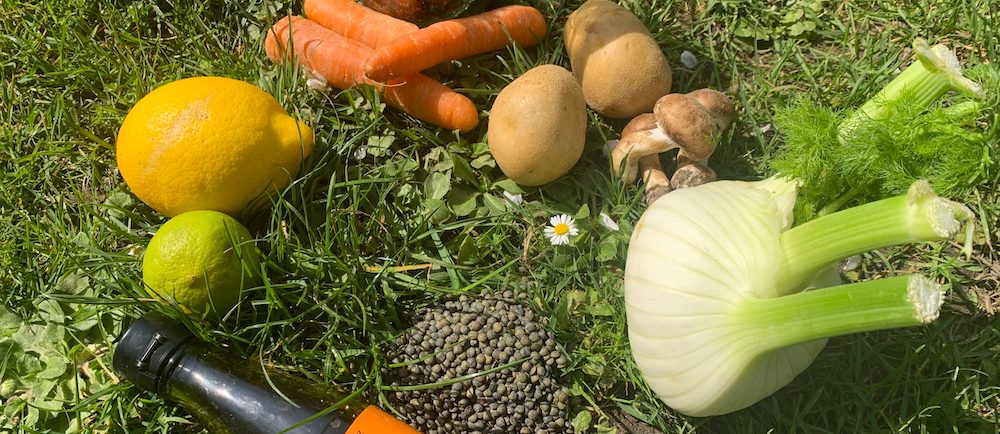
374, 420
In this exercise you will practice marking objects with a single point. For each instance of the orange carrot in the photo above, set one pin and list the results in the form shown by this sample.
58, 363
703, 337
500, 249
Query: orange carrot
311, 41
455, 39
357, 22
341, 61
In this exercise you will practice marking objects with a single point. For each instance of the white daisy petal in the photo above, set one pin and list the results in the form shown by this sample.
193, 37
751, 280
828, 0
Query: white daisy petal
513, 198
562, 227
607, 222
318, 85
315, 80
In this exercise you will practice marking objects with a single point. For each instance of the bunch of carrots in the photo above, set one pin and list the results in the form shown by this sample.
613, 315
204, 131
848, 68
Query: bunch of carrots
349, 44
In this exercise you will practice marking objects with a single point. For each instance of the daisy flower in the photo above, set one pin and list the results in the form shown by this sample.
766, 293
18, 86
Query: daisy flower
562, 227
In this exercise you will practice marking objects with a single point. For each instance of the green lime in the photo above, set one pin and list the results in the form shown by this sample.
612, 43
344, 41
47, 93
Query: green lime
202, 260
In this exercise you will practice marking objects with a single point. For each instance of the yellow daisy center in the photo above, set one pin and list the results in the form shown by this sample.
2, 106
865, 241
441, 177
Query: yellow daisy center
561, 229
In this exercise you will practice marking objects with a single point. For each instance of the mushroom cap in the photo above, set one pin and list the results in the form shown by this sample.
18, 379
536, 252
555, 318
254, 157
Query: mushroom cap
718, 105
645, 121
688, 123
638, 144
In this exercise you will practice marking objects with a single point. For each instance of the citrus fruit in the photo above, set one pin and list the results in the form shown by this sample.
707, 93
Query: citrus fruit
209, 143
201, 260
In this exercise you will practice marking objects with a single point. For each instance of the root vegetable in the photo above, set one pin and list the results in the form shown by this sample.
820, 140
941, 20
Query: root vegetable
341, 62
724, 319
454, 39
619, 65
537, 126
354, 21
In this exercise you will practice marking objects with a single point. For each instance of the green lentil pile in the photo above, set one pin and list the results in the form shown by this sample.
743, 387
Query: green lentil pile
470, 336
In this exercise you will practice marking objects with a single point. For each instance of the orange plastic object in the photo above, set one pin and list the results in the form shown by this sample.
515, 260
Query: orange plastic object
374, 420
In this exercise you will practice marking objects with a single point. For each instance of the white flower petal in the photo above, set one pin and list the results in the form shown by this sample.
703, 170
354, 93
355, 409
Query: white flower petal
557, 238
317, 85
513, 198
607, 222
315, 80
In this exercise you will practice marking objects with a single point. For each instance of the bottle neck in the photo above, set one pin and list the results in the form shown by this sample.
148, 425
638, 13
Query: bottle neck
231, 395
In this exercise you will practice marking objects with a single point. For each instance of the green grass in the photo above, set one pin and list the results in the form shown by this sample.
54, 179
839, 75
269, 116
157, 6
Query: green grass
72, 236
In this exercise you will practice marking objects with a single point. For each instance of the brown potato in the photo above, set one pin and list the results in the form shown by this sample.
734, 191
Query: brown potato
616, 60
537, 126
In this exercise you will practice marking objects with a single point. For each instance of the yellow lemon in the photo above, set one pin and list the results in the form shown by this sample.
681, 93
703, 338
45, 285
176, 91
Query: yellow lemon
202, 260
211, 143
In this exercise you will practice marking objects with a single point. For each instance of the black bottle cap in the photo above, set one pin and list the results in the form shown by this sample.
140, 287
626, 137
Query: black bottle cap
148, 348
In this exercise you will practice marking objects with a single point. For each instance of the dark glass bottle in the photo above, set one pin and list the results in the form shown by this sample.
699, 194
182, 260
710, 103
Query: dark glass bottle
233, 395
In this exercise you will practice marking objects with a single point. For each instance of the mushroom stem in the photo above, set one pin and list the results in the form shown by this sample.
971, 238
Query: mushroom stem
656, 180
683, 159
689, 172
633, 147
692, 174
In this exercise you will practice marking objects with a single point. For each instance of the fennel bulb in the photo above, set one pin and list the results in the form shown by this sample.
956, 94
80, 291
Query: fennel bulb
714, 281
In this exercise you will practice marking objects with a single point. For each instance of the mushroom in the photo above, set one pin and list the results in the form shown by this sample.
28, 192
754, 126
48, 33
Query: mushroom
689, 173
718, 105
656, 180
689, 122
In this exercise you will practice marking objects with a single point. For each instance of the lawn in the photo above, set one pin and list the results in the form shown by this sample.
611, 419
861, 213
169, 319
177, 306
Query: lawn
392, 215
